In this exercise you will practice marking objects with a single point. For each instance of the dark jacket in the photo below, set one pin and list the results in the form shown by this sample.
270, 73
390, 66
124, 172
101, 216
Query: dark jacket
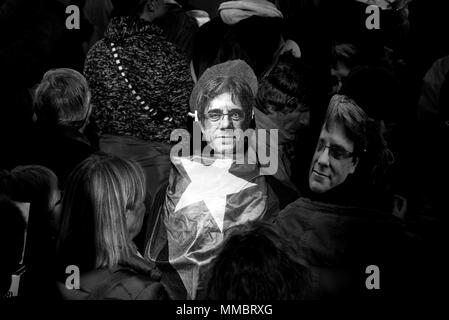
340, 242
254, 40
59, 148
134, 280
179, 28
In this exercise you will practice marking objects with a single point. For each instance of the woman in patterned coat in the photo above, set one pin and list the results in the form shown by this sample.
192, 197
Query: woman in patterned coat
140, 81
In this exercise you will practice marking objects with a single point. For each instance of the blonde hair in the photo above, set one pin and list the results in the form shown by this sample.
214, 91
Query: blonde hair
100, 192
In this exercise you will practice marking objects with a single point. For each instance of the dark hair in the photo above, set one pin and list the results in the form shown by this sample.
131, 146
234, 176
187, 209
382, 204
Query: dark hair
375, 90
347, 53
34, 184
369, 145
345, 111
241, 94
255, 40
286, 88
12, 228
256, 263
30, 183
130, 8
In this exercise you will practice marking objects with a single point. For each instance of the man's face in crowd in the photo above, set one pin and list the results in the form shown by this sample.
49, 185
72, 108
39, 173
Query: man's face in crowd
222, 117
333, 160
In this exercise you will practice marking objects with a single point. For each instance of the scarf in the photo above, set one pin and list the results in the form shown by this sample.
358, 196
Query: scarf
232, 12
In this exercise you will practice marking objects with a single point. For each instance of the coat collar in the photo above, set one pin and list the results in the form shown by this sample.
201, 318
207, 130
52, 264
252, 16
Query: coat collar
124, 27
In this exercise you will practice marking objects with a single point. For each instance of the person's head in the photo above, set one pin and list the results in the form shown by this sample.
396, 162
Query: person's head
35, 184
345, 57
102, 211
153, 10
256, 263
223, 99
342, 141
285, 95
148, 10
12, 228
63, 97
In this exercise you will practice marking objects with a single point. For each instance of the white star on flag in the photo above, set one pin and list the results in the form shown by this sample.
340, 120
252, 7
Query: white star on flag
211, 184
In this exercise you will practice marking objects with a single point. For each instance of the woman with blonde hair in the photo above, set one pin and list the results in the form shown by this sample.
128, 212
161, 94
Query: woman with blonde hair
102, 211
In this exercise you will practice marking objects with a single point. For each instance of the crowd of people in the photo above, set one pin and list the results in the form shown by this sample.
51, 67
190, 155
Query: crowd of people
134, 151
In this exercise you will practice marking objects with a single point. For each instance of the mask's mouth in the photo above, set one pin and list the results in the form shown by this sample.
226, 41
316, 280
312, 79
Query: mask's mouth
320, 173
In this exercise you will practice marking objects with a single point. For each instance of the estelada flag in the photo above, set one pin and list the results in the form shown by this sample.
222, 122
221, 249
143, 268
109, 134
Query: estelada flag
205, 197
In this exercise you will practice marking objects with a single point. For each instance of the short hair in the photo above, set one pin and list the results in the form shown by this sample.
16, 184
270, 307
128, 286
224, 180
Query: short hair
94, 231
30, 183
62, 97
369, 144
345, 111
241, 94
286, 88
347, 53
12, 228
256, 263
130, 8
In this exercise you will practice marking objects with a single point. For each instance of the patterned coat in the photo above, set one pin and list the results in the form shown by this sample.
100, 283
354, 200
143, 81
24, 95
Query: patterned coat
140, 82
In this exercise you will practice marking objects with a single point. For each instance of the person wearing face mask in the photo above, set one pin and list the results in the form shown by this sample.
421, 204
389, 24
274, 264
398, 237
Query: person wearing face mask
340, 226
209, 189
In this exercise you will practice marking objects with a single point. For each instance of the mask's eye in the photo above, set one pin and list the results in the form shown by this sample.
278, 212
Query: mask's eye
236, 115
213, 116
320, 145
339, 153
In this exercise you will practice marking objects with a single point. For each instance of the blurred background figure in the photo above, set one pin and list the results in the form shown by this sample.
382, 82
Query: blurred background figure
37, 186
286, 101
12, 229
62, 106
255, 263
180, 25
249, 30
34, 40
